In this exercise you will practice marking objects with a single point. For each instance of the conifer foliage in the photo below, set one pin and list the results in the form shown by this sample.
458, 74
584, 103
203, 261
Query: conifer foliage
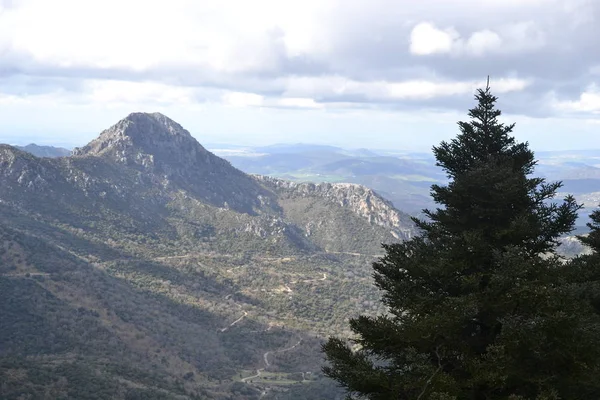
479, 305
592, 240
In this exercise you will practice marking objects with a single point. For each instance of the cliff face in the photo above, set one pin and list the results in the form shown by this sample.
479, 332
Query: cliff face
357, 199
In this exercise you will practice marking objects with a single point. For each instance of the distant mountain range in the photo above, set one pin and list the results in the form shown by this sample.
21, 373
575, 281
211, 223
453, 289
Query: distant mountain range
404, 178
45, 151
145, 266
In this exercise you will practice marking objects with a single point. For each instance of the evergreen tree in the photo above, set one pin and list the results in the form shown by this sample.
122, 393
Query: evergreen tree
478, 308
584, 271
592, 240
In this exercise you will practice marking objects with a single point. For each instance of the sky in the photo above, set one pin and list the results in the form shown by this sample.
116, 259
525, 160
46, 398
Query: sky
354, 73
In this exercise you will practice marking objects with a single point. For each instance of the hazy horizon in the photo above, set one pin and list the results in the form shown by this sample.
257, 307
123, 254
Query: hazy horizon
216, 145
356, 140
210, 145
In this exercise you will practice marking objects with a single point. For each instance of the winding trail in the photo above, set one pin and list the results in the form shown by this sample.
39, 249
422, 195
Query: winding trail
237, 320
268, 364
266, 355
352, 254
258, 371
316, 280
310, 280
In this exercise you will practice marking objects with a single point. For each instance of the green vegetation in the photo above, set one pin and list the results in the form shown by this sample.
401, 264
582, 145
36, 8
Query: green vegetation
150, 288
478, 305
140, 326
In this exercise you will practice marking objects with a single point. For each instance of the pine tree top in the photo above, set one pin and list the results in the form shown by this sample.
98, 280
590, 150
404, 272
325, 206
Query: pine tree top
482, 138
490, 195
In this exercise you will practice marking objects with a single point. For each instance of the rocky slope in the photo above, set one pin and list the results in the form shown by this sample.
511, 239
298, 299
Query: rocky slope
358, 199
181, 273
161, 150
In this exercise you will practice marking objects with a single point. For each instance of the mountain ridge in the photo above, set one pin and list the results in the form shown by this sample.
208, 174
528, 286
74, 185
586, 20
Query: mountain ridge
45, 151
363, 201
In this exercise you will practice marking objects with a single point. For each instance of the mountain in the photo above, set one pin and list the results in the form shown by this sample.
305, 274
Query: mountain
296, 148
45, 151
144, 266
161, 150
403, 179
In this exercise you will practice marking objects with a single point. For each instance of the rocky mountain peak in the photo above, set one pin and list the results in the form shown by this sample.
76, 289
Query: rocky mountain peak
164, 153
146, 139
155, 144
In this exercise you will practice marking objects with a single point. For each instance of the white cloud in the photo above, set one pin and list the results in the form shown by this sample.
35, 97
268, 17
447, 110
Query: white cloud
228, 36
49, 99
321, 92
522, 36
506, 85
7, 99
426, 39
112, 92
335, 86
239, 99
342, 54
588, 102
426, 90
482, 42
299, 102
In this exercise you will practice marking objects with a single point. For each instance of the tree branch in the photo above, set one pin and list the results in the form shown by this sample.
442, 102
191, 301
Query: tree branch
433, 375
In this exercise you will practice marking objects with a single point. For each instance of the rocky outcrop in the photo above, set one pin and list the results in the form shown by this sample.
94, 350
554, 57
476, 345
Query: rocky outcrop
359, 199
20, 169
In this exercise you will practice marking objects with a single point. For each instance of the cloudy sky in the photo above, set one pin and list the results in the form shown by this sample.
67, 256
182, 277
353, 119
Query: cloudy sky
357, 73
